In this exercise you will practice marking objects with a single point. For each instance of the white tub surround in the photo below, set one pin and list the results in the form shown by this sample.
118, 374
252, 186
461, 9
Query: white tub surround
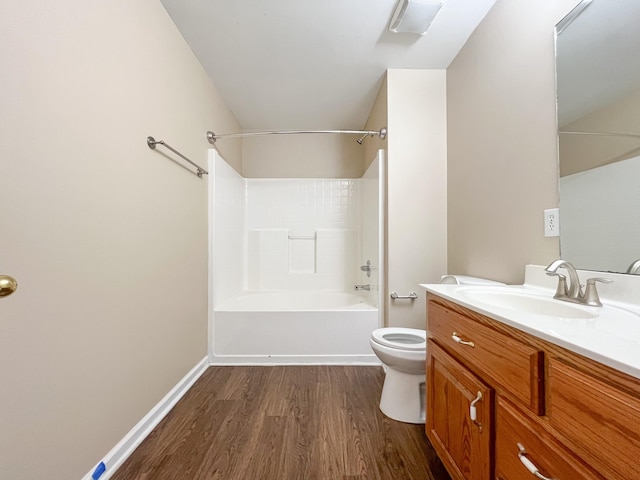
292, 301
609, 334
294, 328
285, 257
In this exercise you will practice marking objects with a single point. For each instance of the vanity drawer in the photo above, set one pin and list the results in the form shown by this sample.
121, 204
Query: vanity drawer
601, 422
513, 431
506, 362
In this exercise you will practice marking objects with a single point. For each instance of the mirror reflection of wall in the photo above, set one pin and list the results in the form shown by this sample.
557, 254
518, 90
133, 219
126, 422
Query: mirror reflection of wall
600, 210
598, 88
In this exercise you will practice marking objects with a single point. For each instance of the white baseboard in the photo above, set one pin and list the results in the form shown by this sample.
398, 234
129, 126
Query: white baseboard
118, 454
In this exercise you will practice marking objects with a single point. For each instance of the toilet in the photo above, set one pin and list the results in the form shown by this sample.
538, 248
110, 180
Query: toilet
403, 352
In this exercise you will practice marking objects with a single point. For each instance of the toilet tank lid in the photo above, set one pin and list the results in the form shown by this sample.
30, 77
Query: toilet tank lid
466, 280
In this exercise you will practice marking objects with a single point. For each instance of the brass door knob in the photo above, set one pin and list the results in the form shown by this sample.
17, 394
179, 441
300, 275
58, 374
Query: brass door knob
8, 285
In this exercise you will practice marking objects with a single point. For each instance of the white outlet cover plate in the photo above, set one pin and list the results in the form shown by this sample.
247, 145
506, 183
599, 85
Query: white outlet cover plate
552, 222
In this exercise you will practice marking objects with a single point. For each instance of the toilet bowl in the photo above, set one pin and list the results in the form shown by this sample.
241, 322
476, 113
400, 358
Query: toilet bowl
403, 351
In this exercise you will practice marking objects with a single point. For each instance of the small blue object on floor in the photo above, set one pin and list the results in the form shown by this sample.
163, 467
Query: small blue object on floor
100, 469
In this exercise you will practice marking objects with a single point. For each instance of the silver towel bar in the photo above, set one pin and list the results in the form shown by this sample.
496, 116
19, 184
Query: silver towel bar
152, 142
411, 296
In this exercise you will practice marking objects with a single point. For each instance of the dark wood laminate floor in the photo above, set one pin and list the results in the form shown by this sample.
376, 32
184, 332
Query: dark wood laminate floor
283, 423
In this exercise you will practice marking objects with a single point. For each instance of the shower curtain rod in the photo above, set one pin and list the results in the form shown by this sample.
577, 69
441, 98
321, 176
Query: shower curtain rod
382, 133
605, 134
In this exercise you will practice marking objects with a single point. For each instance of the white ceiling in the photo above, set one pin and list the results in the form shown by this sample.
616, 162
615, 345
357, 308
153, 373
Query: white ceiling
303, 64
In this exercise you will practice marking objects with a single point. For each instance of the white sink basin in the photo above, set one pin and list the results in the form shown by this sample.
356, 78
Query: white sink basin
529, 302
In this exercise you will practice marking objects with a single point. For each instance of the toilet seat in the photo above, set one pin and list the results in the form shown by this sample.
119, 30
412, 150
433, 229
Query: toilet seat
399, 338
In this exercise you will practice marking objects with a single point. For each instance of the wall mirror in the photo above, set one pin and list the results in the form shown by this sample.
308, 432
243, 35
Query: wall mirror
598, 95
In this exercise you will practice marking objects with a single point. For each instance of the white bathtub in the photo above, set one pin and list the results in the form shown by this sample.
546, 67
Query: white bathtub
294, 327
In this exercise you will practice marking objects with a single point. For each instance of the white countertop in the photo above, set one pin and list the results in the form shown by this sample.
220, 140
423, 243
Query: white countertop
610, 336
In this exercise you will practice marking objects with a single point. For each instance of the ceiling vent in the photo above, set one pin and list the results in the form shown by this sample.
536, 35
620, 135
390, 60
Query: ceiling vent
414, 16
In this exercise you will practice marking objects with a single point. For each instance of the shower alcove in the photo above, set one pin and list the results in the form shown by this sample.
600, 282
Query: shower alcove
285, 256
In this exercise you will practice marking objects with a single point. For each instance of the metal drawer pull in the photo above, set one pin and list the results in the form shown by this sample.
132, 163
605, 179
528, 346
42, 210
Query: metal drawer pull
473, 413
472, 408
457, 339
529, 465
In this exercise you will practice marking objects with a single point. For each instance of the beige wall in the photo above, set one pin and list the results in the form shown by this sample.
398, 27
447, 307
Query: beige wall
302, 156
502, 165
416, 189
583, 152
107, 239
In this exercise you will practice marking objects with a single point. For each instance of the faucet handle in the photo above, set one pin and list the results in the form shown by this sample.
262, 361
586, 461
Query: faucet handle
591, 294
562, 291
367, 268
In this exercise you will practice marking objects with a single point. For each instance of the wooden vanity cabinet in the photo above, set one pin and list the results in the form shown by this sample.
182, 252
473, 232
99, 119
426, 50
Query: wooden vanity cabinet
464, 444
542, 407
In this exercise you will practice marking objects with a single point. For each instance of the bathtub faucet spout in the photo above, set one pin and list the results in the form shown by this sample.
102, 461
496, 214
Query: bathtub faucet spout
362, 287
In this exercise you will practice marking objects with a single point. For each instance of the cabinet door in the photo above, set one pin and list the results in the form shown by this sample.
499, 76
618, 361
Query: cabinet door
463, 444
523, 448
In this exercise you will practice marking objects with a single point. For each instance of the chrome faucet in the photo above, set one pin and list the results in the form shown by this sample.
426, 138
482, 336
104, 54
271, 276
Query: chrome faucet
573, 292
362, 287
